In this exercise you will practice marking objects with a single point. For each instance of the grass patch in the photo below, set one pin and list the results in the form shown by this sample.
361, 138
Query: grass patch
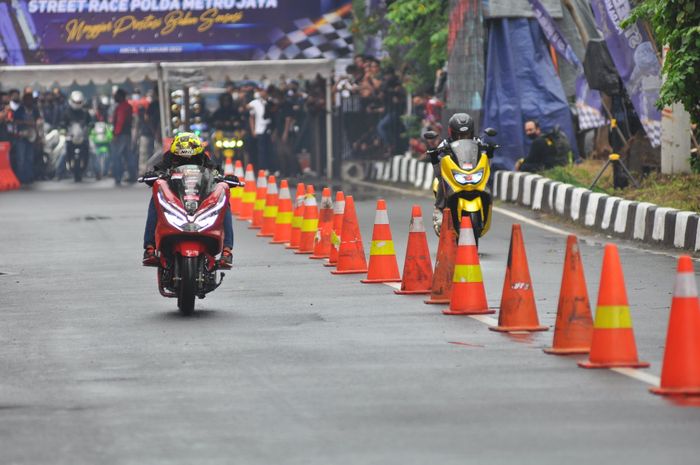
681, 191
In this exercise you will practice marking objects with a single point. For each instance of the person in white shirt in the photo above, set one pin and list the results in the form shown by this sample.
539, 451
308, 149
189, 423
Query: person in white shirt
259, 125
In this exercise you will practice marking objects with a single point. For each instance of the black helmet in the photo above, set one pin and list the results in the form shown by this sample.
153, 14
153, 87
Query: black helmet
461, 126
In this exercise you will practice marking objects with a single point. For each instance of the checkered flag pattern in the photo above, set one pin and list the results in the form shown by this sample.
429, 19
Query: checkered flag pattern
588, 117
328, 37
653, 130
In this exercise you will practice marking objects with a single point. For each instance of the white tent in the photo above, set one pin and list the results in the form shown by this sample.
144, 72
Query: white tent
65, 75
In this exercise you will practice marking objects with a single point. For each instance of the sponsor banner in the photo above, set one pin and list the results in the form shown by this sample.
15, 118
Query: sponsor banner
81, 31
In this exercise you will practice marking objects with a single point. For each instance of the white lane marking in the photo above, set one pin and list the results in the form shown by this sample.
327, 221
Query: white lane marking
530, 221
396, 286
487, 320
638, 375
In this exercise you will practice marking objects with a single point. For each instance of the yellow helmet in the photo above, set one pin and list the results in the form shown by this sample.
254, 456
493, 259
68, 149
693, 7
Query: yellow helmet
186, 145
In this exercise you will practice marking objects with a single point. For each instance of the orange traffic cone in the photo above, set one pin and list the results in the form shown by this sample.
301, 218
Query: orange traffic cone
338, 210
298, 217
468, 293
613, 343
236, 198
351, 254
260, 194
228, 167
248, 200
574, 327
383, 267
270, 211
680, 374
322, 239
518, 311
309, 224
441, 289
283, 222
8, 180
417, 267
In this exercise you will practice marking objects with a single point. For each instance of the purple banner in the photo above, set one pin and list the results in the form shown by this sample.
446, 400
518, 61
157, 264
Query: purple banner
553, 34
82, 31
635, 59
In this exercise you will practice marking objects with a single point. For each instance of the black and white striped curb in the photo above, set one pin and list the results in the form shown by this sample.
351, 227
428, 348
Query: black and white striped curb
612, 215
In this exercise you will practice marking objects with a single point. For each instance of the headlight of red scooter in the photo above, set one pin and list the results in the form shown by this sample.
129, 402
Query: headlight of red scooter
206, 218
175, 216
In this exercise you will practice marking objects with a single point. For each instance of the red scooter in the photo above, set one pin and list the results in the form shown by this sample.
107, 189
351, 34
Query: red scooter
190, 202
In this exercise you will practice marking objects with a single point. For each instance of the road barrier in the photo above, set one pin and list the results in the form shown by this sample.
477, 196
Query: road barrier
574, 326
441, 290
8, 180
417, 275
383, 267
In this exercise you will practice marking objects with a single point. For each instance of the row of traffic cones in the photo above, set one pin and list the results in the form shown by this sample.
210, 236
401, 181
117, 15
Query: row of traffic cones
333, 233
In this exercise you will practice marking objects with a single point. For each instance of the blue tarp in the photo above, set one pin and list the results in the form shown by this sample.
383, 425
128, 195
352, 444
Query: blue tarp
521, 84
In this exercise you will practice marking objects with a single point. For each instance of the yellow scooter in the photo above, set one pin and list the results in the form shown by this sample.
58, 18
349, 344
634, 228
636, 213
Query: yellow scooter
464, 174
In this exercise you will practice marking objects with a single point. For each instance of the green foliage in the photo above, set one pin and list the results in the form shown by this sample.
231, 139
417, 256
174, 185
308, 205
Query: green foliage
415, 37
676, 23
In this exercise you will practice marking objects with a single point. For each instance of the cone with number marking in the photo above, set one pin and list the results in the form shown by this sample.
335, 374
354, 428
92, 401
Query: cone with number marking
417, 268
297, 217
283, 221
322, 239
249, 194
236, 198
518, 311
441, 289
309, 225
680, 374
383, 267
260, 194
468, 293
351, 254
270, 211
338, 211
574, 326
613, 343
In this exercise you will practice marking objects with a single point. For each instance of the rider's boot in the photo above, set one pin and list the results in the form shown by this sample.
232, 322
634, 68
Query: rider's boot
149, 256
226, 260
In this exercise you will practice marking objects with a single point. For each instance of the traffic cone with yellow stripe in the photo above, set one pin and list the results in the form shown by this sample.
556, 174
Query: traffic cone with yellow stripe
283, 221
468, 293
270, 211
237, 192
574, 326
338, 210
322, 239
518, 311
417, 275
249, 193
441, 289
309, 224
260, 194
383, 267
680, 374
613, 343
351, 254
298, 217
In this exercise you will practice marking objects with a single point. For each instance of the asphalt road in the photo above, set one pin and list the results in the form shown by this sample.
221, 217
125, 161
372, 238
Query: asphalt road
287, 364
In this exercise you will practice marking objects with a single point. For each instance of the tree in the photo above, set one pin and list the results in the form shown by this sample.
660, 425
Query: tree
415, 35
676, 24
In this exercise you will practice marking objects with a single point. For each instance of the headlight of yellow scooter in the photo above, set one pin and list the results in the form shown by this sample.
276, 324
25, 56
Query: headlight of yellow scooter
468, 178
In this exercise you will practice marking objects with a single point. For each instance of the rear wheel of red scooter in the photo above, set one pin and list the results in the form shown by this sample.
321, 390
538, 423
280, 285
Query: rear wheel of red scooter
188, 285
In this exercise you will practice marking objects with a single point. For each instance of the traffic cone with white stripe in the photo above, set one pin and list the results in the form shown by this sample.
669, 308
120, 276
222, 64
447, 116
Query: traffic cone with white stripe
417, 267
283, 221
260, 194
574, 327
351, 254
338, 211
468, 293
309, 224
613, 343
680, 374
383, 267
322, 239
518, 311
228, 167
249, 193
298, 217
270, 211
441, 289
236, 198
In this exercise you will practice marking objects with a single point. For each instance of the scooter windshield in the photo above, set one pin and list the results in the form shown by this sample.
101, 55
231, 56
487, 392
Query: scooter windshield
192, 183
466, 152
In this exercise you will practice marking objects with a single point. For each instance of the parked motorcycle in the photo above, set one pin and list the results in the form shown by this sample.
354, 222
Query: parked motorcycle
464, 176
190, 202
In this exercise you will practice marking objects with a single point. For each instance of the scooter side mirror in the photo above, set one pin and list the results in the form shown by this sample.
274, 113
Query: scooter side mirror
430, 135
490, 132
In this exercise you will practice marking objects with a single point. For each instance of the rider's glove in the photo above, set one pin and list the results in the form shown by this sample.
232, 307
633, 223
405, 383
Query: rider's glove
231, 177
150, 177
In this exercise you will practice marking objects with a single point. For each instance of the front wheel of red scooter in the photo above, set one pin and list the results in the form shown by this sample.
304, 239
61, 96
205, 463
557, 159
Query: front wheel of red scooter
188, 285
